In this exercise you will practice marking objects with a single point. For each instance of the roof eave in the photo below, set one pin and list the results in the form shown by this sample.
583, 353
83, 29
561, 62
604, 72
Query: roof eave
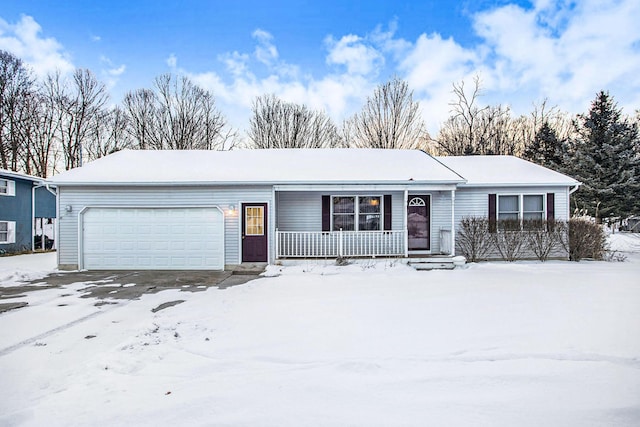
520, 184
245, 183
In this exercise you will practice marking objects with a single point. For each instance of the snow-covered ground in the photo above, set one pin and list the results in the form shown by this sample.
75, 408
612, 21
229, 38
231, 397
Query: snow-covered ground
500, 344
19, 269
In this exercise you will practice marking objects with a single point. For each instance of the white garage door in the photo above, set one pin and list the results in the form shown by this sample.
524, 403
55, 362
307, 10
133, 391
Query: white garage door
153, 239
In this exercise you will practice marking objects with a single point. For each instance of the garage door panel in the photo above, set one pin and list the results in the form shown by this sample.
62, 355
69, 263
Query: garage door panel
153, 238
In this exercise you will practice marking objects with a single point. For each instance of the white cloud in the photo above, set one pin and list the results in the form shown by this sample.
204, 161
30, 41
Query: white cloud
172, 61
24, 40
266, 52
352, 52
110, 73
235, 63
565, 51
117, 71
338, 94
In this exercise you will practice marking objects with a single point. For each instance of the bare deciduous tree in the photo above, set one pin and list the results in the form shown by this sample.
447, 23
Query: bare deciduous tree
16, 87
82, 107
477, 130
177, 114
279, 124
46, 117
140, 106
389, 119
473, 129
110, 135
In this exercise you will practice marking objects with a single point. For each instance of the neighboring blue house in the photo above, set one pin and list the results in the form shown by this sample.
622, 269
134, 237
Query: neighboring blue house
24, 201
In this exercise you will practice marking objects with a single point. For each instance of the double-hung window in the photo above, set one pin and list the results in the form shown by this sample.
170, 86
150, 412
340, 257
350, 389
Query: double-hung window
508, 208
356, 213
7, 232
512, 209
533, 207
7, 188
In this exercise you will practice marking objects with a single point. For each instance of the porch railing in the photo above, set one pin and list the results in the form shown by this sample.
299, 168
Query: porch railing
334, 244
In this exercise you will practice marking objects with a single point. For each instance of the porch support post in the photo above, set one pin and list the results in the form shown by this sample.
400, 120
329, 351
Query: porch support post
340, 243
273, 225
406, 225
277, 241
453, 222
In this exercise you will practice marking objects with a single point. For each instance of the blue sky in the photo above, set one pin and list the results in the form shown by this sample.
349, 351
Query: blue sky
330, 55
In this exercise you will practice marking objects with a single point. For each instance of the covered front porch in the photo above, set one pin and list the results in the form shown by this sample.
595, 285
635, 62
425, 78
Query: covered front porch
359, 223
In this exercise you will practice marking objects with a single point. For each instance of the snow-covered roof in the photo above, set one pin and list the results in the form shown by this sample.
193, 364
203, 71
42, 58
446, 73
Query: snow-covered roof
503, 171
17, 175
278, 166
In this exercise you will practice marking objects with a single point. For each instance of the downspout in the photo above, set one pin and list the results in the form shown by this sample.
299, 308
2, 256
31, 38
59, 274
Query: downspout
55, 220
571, 191
33, 214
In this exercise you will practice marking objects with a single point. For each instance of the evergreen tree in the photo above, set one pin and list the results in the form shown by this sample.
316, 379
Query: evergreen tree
607, 160
546, 149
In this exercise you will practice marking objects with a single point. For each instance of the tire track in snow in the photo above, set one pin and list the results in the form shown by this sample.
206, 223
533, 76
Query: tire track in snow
5, 351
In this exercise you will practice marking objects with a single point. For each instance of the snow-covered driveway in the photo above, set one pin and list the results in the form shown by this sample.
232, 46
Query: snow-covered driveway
524, 344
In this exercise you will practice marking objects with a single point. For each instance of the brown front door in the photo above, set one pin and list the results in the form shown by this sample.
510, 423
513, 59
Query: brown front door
254, 232
419, 223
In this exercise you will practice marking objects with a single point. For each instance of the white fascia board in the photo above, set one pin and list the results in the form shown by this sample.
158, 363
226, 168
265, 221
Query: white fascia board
280, 186
520, 184
364, 187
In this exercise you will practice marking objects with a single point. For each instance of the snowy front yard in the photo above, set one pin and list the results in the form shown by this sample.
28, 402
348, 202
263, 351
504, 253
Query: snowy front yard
522, 344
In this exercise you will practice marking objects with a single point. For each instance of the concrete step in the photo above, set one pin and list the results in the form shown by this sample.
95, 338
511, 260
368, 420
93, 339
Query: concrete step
248, 268
432, 265
437, 263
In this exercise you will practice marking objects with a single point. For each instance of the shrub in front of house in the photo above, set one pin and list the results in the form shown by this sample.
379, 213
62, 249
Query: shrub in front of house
586, 239
542, 238
473, 238
509, 240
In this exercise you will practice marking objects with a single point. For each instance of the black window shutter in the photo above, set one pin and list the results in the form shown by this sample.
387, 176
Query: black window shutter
492, 213
551, 206
326, 213
387, 211
551, 210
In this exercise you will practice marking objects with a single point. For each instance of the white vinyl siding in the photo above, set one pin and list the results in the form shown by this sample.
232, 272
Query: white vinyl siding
7, 231
78, 198
475, 201
7, 187
440, 217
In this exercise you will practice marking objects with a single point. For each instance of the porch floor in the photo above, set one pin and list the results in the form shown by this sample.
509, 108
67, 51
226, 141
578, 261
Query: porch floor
419, 262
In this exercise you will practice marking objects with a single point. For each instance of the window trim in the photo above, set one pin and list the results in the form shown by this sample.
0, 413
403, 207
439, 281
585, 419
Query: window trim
10, 187
521, 210
357, 212
11, 232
